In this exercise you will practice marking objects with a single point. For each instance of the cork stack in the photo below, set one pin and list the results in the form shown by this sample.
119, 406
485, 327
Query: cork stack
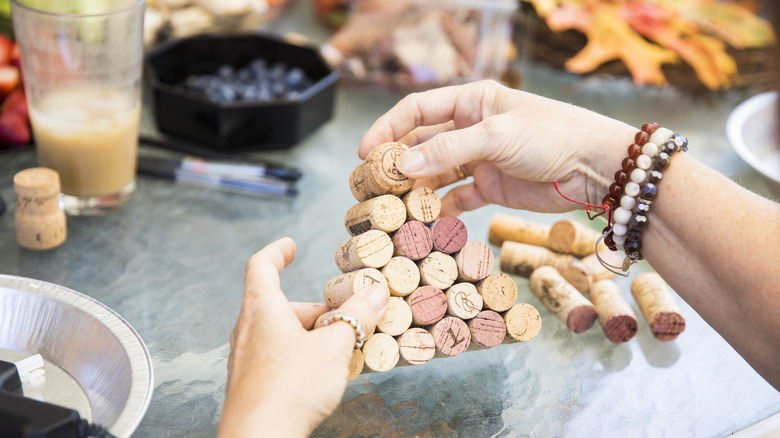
565, 274
445, 298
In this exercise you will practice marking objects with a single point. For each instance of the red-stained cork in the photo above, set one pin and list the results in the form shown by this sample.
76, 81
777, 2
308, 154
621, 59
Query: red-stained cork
428, 305
615, 314
658, 307
449, 234
451, 335
487, 329
562, 299
413, 240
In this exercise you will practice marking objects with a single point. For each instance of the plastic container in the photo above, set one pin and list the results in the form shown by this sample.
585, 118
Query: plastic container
239, 125
411, 45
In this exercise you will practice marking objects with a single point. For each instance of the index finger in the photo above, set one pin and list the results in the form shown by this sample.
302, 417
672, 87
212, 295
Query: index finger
261, 277
461, 104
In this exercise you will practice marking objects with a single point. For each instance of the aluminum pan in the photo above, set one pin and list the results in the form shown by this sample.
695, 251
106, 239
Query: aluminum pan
91, 342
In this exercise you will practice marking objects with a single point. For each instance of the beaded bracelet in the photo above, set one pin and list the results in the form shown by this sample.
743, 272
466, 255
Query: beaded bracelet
635, 187
633, 191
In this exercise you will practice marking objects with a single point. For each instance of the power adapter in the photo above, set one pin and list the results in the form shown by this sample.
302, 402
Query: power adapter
24, 417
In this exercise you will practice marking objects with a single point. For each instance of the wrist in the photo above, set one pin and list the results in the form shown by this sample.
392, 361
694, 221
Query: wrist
613, 145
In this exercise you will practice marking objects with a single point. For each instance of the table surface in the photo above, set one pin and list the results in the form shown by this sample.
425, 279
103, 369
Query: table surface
171, 263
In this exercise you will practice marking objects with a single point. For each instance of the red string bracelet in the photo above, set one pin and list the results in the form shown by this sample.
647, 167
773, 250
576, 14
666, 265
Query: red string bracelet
588, 206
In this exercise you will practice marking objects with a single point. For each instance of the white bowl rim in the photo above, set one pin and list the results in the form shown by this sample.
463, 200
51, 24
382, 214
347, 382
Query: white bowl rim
736, 121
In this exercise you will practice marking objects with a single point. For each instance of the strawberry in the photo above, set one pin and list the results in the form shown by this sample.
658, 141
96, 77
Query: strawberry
9, 79
17, 103
13, 129
6, 47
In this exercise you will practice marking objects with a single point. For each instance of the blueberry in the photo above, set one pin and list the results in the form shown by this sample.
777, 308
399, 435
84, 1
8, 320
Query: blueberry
278, 88
244, 76
258, 67
277, 71
295, 78
225, 71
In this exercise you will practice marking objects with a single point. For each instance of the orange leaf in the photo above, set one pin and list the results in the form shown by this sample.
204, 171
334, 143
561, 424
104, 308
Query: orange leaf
610, 38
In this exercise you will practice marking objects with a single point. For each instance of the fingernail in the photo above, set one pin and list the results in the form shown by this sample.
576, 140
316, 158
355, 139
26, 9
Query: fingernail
411, 161
376, 296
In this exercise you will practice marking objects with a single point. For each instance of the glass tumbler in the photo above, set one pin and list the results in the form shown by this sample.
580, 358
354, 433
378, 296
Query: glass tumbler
81, 63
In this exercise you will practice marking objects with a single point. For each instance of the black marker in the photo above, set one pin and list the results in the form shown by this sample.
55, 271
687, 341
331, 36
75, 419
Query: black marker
212, 159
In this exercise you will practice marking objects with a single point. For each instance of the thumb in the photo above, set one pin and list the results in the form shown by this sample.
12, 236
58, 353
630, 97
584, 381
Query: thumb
367, 306
446, 150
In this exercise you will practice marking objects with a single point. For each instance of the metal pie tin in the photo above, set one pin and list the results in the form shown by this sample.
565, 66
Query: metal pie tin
95, 362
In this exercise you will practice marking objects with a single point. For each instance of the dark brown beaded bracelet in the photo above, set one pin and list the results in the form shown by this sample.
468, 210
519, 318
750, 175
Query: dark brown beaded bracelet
630, 209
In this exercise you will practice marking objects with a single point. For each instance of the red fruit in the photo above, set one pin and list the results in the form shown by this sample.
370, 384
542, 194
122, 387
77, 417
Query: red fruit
9, 78
6, 47
17, 103
15, 56
13, 129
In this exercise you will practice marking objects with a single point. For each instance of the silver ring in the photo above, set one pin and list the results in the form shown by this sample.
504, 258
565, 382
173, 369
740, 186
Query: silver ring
360, 335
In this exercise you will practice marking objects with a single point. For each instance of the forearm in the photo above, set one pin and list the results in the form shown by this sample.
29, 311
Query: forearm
715, 243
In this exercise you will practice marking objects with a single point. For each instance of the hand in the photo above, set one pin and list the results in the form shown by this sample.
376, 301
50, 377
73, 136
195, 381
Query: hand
282, 379
513, 143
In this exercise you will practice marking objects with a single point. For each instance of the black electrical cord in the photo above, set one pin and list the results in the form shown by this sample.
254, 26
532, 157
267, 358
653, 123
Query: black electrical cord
87, 430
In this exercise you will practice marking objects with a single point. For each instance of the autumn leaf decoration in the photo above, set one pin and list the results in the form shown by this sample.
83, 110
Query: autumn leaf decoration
646, 34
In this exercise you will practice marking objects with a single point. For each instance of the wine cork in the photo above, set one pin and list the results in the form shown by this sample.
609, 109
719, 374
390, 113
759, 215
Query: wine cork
358, 185
498, 291
422, 204
523, 322
615, 314
463, 300
341, 287
384, 213
449, 234
396, 319
487, 329
381, 173
658, 307
562, 299
505, 227
475, 261
522, 259
584, 272
380, 352
438, 270
413, 239
356, 363
451, 336
39, 221
416, 346
372, 249
403, 276
570, 237
428, 305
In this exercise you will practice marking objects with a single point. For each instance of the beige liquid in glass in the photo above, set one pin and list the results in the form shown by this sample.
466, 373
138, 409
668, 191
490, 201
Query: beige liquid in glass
90, 137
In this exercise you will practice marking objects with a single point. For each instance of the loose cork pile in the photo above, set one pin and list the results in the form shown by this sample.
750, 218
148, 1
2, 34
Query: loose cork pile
445, 298
564, 273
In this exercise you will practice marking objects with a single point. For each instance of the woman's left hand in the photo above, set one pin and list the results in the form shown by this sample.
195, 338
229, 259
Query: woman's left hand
284, 379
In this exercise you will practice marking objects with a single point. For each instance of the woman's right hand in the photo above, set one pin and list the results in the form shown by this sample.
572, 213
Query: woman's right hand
514, 144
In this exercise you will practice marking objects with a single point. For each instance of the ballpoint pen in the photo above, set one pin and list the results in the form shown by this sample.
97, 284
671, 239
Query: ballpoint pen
232, 178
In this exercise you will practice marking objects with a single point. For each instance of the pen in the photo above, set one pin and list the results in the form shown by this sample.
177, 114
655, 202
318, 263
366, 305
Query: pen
234, 185
245, 182
212, 158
